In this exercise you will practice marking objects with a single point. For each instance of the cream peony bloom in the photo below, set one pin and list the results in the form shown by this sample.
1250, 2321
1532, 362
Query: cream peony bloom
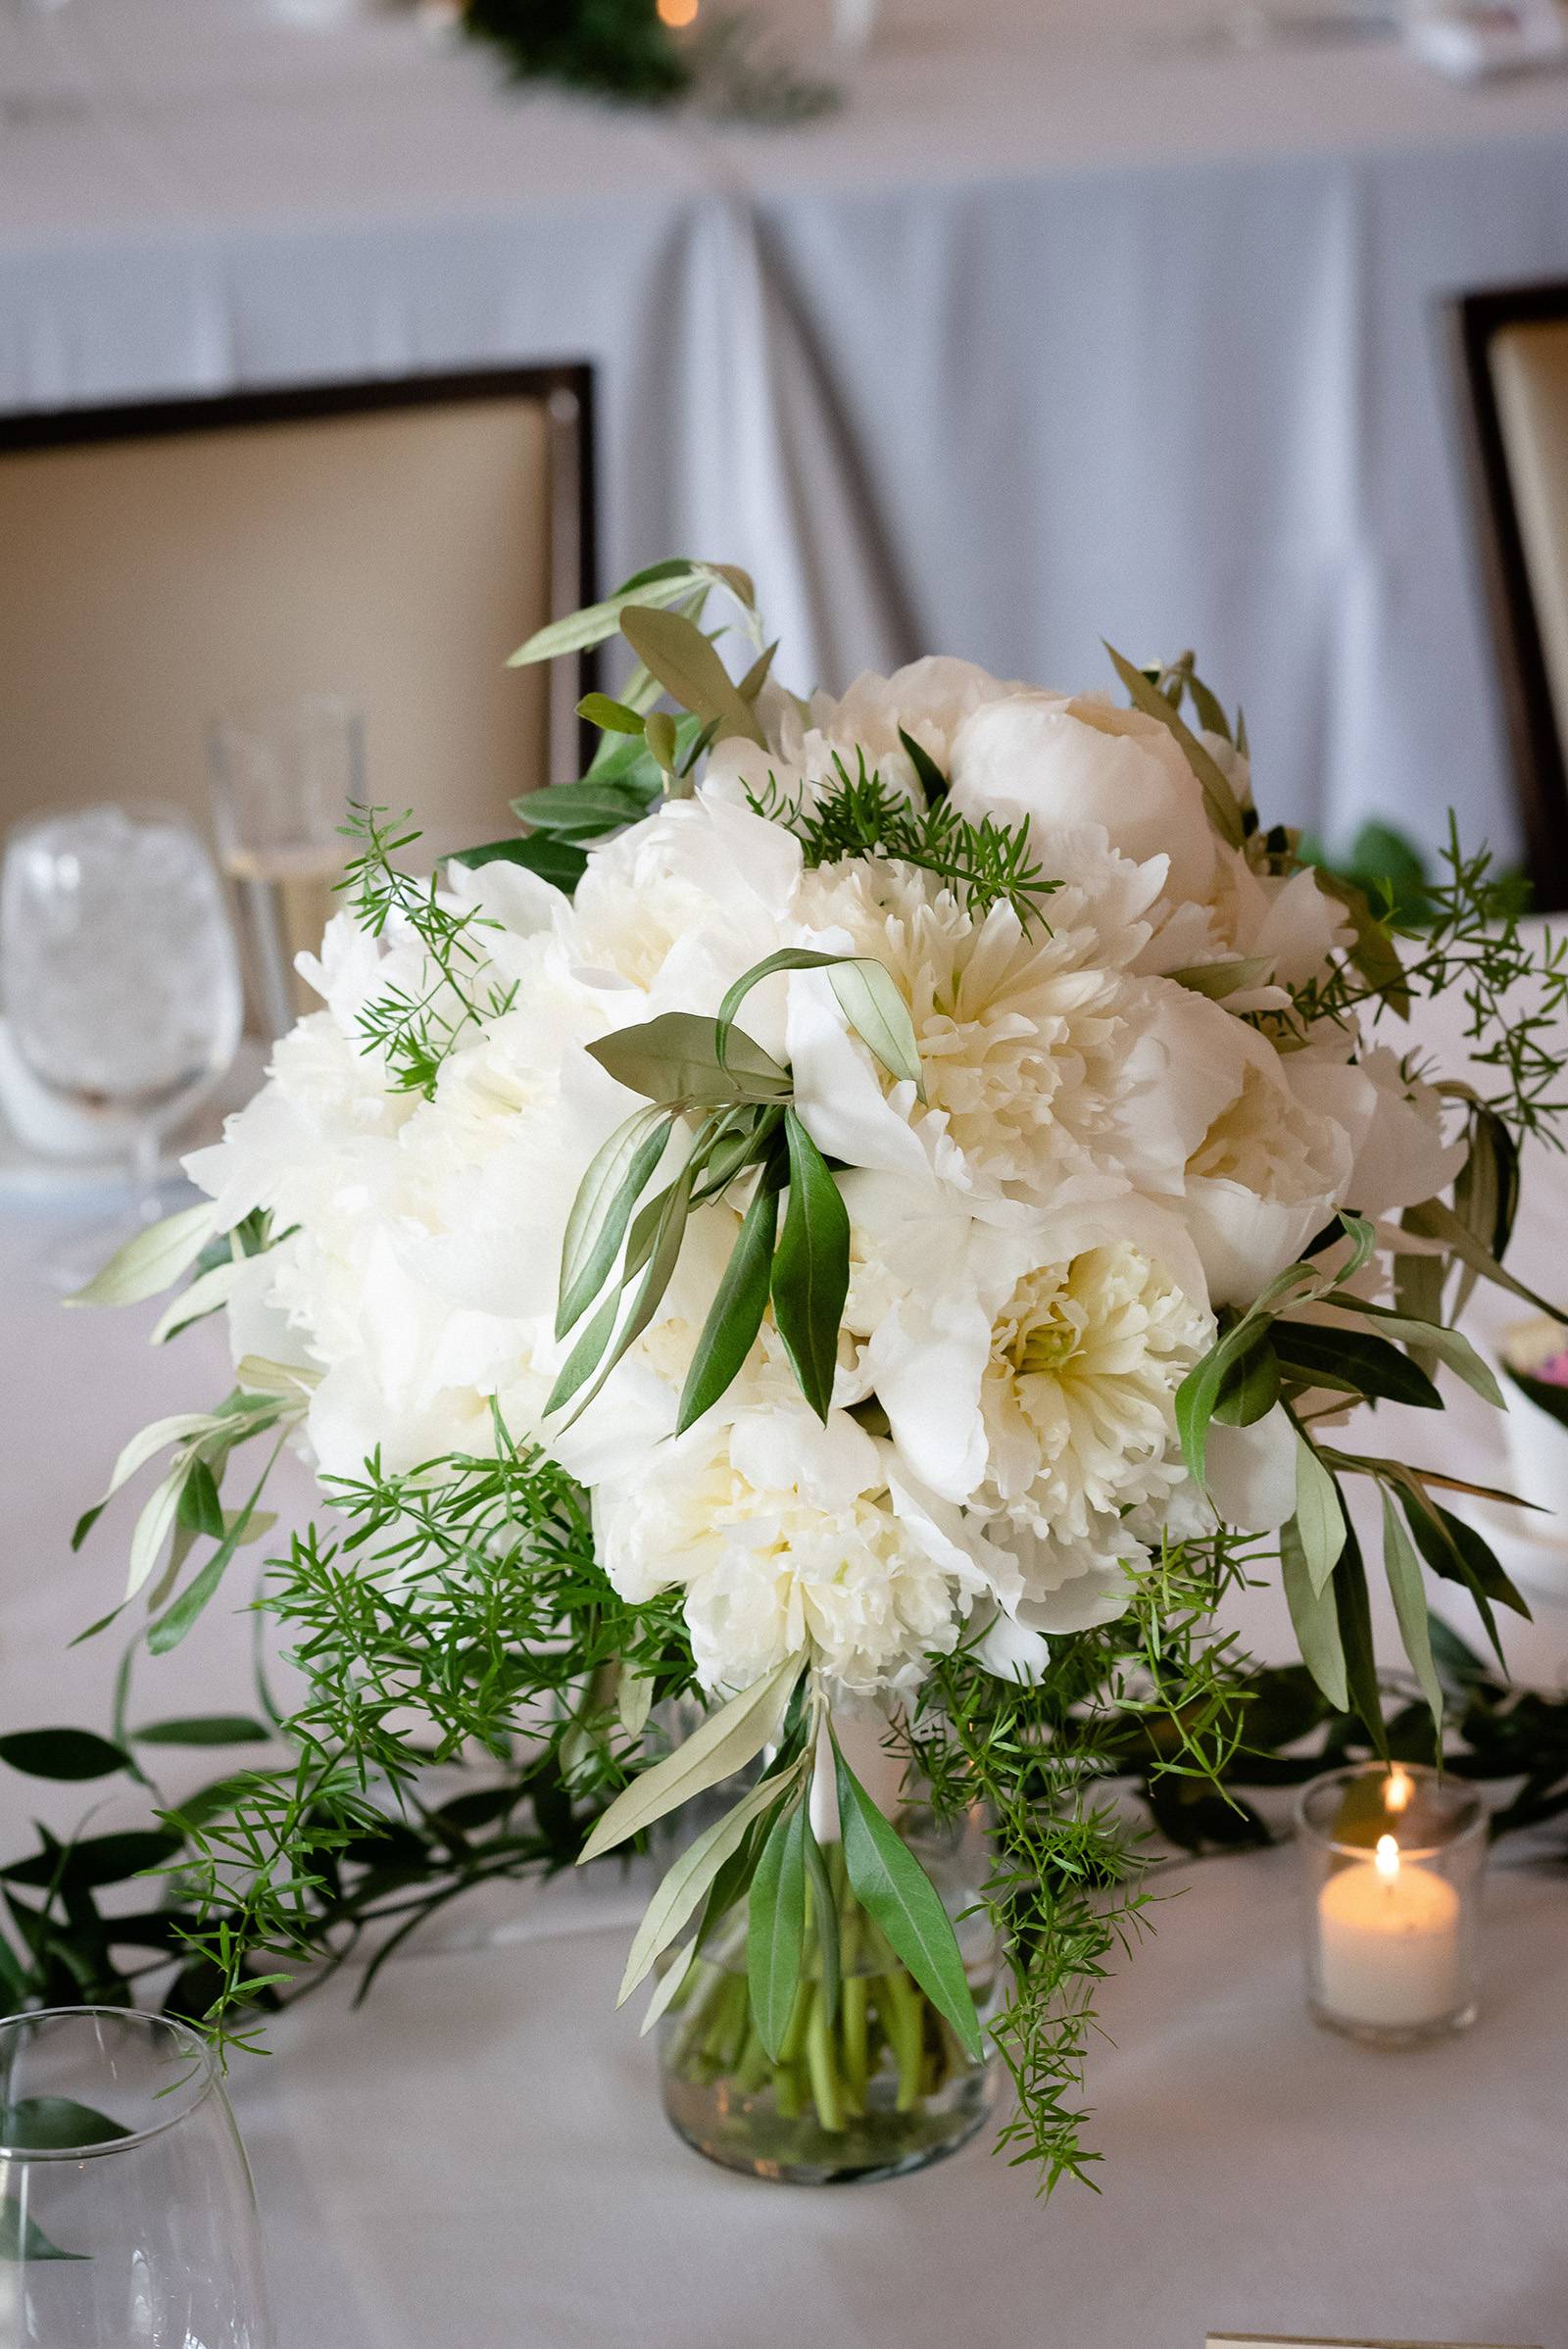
420, 1280
1064, 763
1078, 1397
1029, 1035
1292, 925
785, 1536
928, 700
1394, 1124
682, 905
1271, 1170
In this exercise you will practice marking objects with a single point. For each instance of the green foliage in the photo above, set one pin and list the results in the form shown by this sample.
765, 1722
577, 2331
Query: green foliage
1389, 869
1285, 1732
985, 864
1064, 1894
65, 1753
1469, 944
775, 1924
415, 1032
459, 1618
898, 1896
687, 1065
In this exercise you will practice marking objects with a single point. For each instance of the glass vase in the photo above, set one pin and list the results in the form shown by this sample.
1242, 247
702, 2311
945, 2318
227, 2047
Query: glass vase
871, 2080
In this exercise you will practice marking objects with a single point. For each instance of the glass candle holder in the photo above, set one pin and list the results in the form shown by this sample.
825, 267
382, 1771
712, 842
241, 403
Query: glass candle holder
1393, 1859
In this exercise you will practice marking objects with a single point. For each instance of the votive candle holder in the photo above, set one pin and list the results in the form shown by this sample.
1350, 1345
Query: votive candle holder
1393, 1857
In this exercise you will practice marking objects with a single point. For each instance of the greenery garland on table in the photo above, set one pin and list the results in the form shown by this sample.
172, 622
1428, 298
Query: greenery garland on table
401, 1865
727, 1008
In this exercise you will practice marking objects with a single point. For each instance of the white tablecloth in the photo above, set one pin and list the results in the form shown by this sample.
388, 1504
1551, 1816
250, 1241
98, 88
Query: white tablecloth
477, 2158
1068, 325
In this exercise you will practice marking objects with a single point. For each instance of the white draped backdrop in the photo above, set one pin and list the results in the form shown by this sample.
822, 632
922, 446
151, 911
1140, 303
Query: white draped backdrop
1068, 325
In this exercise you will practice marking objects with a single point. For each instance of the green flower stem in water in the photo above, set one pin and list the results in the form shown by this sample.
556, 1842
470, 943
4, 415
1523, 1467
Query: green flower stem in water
821, 2063
832, 2051
900, 2007
856, 2001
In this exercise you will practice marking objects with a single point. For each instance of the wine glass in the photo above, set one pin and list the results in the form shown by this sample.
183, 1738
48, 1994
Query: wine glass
120, 980
128, 2220
282, 777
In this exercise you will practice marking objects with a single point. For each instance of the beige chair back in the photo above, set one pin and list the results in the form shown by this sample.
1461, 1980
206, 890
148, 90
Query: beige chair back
1510, 349
1530, 374
389, 544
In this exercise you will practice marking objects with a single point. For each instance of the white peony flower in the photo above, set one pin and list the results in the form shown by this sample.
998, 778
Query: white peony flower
684, 902
1028, 1033
1270, 1172
1290, 924
1064, 763
1395, 1123
928, 700
421, 1278
786, 1535
1078, 1402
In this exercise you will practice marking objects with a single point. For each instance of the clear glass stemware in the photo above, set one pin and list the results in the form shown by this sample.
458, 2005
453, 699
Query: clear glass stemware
120, 982
126, 2215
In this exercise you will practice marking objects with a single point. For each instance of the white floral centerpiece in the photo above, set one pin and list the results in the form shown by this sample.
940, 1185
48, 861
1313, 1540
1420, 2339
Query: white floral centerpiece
869, 1207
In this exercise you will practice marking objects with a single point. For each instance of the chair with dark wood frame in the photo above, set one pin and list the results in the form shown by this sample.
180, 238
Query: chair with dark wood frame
158, 561
1520, 543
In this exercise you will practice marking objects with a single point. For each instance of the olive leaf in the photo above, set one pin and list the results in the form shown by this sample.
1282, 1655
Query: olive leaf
895, 1890
1217, 980
812, 1268
206, 1293
1447, 1346
663, 583
61, 1753
1314, 1619
736, 1313
775, 1926
1224, 812
682, 1886
1320, 1516
1354, 1364
720, 1747
677, 653
1434, 1221
602, 1209
1408, 1593
611, 717
675, 1060
152, 1260
866, 996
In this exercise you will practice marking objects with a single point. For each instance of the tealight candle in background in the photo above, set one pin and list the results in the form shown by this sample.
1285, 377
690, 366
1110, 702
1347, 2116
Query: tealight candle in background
1394, 1863
1389, 1941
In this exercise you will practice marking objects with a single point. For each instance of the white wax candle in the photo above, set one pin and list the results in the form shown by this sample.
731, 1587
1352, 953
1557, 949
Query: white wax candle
1389, 1942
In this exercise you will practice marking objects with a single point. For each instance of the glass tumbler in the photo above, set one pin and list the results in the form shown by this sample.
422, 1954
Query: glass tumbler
282, 777
126, 2215
1395, 1854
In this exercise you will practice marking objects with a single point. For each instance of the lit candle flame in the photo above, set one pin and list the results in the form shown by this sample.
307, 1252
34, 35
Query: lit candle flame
1398, 1788
1387, 1859
677, 13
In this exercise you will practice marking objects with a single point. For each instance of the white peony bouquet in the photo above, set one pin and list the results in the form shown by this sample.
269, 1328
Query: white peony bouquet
864, 1209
